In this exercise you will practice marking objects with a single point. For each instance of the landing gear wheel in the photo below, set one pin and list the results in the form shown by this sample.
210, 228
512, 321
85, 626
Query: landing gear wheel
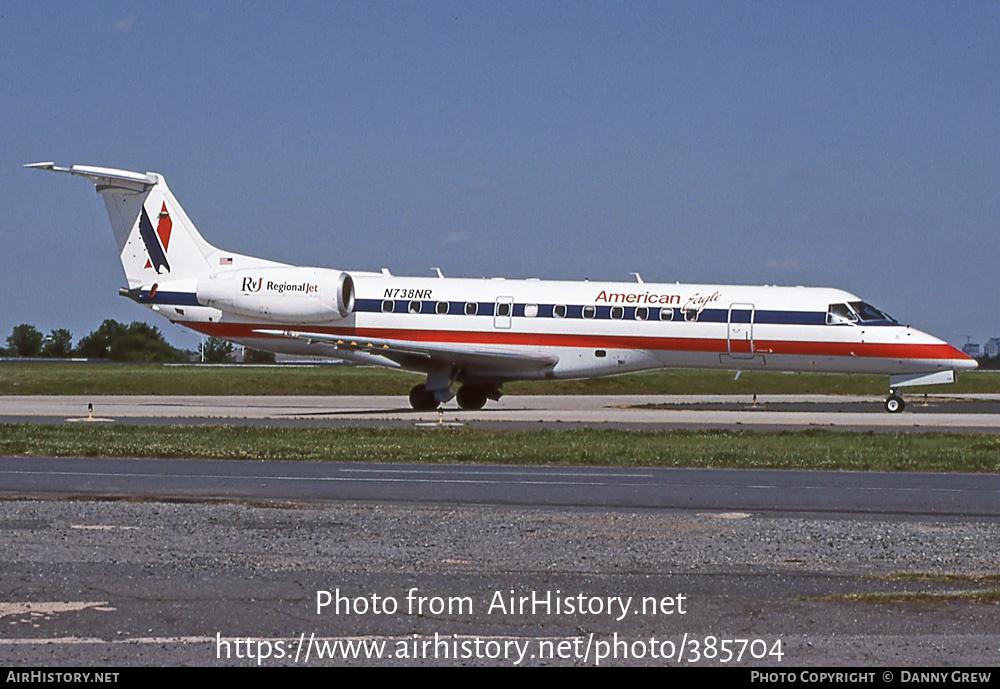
421, 399
894, 403
471, 397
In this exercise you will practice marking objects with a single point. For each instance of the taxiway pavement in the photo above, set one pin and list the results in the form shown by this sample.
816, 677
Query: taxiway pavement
830, 493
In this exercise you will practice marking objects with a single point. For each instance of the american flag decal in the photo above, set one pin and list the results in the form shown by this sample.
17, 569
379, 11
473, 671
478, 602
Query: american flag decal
225, 261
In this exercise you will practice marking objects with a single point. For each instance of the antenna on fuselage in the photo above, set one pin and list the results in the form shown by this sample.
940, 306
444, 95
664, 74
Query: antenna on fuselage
438, 271
638, 278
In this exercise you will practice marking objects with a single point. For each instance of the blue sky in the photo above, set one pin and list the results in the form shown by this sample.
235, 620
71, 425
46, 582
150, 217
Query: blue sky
852, 145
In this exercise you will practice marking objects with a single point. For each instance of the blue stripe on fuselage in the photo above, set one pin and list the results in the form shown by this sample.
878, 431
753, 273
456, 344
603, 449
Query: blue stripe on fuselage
601, 312
171, 298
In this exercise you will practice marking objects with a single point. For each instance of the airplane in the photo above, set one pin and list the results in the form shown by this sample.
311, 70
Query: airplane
481, 333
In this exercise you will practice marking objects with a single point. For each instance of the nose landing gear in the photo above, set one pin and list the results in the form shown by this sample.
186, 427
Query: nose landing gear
894, 403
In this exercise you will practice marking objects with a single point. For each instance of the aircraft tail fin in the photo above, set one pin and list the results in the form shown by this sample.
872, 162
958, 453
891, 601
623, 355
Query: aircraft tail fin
155, 238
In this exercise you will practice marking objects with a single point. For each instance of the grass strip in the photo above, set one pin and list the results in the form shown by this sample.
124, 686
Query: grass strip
988, 596
69, 378
929, 578
809, 449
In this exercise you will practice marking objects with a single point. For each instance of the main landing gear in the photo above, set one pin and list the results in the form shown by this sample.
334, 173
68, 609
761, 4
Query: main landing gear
473, 397
894, 403
422, 399
469, 397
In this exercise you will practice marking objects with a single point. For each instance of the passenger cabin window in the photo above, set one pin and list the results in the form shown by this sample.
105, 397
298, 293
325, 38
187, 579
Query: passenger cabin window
839, 314
642, 313
387, 306
530, 310
415, 307
618, 312
442, 307
691, 315
471, 308
589, 311
559, 311
503, 308
666, 314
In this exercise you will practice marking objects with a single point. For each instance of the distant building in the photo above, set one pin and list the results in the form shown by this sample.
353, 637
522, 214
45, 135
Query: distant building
992, 348
971, 348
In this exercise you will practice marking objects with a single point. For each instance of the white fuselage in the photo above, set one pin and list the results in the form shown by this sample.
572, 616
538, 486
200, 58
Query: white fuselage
604, 328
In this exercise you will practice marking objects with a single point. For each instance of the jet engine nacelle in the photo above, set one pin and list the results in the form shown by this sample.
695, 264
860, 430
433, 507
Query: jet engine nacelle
283, 294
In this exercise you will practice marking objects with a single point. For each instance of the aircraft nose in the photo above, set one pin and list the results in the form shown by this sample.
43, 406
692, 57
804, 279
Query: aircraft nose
962, 361
967, 364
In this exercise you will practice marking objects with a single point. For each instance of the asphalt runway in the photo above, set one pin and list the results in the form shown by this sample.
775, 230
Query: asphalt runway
972, 413
815, 493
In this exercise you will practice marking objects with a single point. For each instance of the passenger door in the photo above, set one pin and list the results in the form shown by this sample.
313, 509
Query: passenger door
740, 330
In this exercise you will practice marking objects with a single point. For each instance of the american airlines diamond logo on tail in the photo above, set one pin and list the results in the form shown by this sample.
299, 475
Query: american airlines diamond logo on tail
157, 241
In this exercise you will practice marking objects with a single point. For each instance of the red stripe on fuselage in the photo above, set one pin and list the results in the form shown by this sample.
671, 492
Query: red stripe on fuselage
671, 344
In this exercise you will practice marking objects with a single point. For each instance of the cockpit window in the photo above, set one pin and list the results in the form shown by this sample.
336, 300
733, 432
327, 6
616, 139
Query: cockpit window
854, 312
840, 313
868, 313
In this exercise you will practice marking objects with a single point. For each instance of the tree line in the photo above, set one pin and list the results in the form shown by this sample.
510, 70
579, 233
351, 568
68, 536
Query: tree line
114, 341
989, 362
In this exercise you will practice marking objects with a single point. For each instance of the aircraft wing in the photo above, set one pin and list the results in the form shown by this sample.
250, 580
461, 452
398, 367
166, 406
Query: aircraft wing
427, 354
